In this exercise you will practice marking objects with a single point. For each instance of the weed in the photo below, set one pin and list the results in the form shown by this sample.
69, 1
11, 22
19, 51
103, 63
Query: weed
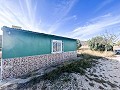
88, 56
100, 87
66, 79
91, 84
77, 66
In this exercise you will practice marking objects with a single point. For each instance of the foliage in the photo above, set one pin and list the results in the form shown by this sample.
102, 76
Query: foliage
100, 47
99, 44
109, 47
118, 43
78, 44
88, 56
110, 38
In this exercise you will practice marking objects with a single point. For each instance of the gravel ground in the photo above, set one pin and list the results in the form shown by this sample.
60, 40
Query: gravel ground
104, 76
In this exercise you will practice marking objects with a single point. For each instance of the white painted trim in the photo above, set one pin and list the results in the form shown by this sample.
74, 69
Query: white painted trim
1, 60
60, 41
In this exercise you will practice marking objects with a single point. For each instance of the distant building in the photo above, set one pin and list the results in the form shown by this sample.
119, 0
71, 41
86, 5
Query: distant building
25, 51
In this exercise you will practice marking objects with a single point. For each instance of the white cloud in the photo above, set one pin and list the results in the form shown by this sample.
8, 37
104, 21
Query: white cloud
96, 25
19, 13
22, 13
61, 12
103, 4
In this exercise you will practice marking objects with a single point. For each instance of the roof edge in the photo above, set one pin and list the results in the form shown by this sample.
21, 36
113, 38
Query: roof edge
5, 28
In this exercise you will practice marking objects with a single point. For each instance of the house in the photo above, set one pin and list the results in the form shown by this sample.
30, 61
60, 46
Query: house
24, 51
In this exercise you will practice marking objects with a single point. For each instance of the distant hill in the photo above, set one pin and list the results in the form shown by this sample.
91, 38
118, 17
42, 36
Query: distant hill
84, 43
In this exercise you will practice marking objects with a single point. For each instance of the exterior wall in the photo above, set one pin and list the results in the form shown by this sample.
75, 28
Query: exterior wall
15, 67
21, 43
69, 45
25, 51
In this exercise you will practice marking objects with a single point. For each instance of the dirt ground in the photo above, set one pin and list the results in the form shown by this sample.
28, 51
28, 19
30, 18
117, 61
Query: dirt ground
104, 76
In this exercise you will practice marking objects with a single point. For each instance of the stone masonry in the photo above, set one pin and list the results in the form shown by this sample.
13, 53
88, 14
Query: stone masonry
15, 67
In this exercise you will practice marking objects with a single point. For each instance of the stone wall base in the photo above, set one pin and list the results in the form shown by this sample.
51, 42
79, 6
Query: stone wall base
16, 67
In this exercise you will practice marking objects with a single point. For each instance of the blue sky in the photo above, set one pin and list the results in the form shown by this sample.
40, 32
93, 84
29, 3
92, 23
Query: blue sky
81, 19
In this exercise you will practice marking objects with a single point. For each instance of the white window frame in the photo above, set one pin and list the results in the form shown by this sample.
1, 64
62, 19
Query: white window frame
60, 41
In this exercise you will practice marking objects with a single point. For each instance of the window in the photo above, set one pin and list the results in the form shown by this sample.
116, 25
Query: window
56, 46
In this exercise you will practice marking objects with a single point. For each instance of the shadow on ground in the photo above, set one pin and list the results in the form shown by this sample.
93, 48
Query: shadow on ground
85, 72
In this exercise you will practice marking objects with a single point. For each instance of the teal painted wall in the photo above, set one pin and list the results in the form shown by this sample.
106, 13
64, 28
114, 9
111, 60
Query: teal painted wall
20, 43
69, 45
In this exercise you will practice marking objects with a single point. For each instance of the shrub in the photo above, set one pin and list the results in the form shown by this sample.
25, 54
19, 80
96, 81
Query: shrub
109, 48
78, 44
98, 44
74, 67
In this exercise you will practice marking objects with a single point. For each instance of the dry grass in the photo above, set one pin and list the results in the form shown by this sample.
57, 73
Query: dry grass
97, 53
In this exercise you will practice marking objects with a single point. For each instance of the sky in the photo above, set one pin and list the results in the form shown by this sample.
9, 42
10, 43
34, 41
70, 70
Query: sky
79, 19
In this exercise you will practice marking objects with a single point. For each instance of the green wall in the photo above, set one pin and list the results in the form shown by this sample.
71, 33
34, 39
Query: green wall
20, 43
69, 45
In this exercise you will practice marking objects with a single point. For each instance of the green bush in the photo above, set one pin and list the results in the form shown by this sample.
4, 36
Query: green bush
100, 47
97, 47
99, 44
78, 44
109, 48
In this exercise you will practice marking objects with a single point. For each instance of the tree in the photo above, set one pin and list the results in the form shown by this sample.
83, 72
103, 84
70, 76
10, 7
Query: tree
118, 43
109, 47
78, 44
110, 38
99, 44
